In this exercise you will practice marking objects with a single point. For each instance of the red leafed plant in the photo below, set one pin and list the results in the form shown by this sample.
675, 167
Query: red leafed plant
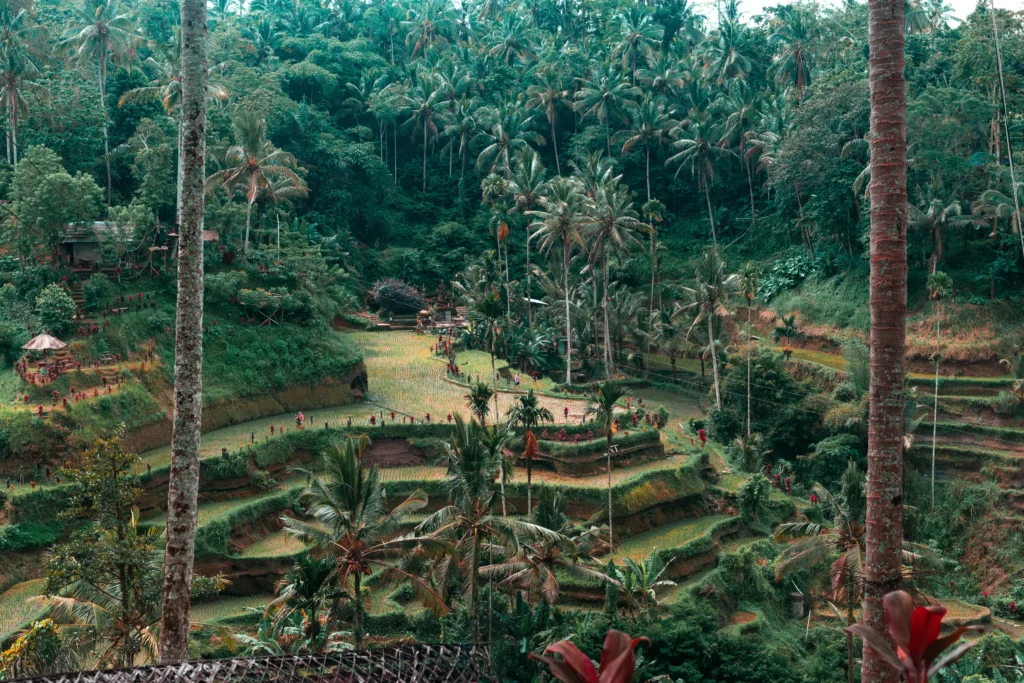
915, 630
618, 660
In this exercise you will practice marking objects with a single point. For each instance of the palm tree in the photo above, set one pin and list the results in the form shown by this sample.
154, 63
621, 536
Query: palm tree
186, 435
722, 58
547, 93
100, 32
425, 113
940, 286
796, 34
537, 565
428, 27
512, 132
310, 587
649, 130
612, 225
603, 398
888, 303
996, 205
495, 440
351, 524
604, 97
708, 299
640, 38
744, 110
557, 224
488, 307
527, 412
640, 582
526, 183
468, 521
462, 127
665, 77
747, 280
843, 537
514, 40
654, 212
697, 148
933, 212
255, 166
478, 400
20, 75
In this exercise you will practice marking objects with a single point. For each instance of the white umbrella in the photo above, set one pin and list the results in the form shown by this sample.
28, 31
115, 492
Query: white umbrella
44, 342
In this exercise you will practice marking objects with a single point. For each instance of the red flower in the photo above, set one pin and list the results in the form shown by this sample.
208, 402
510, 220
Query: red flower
916, 634
529, 445
618, 660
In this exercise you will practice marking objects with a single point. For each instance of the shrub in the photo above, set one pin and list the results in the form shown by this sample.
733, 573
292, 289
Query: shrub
96, 290
55, 308
395, 296
262, 481
753, 497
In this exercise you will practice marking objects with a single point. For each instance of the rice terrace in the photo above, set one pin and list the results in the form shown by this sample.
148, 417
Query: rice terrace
517, 341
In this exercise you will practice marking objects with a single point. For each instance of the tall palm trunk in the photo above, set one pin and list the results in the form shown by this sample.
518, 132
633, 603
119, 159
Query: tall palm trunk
935, 408
749, 307
750, 186
608, 358
888, 303
714, 361
494, 376
711, 215
568, 321
183, 484
529, 285
473, 585
608, 456
553, 120
608, 137
248, 221
358, 621
102, 75
424, 156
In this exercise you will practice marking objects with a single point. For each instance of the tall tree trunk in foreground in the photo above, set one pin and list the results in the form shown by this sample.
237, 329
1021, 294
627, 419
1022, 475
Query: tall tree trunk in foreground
609, 359
183, 487
568, 320
102, 75
888, 302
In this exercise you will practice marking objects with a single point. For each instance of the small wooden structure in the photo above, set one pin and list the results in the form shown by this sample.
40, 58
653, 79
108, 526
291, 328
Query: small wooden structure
404, 664
43, 342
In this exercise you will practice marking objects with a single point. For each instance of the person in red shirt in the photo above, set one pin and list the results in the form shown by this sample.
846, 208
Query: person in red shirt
702, 436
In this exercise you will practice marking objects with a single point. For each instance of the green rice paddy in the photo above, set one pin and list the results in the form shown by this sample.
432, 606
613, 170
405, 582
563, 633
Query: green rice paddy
672, 535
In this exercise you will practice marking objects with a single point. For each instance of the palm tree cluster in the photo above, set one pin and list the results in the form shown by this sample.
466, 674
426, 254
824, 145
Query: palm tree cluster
360, 542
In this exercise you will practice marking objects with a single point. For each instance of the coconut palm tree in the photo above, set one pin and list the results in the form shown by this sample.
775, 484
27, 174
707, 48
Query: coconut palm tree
254, 166
468, 522
424, 104
887, 301
696, 148
612, 225
526, 183
527, 412
601, 405
428, 27
665, 77
514, 40
604, 97
310, 587
649, 130
548, 93
495, 440
747, 280
353, 526
20, 74
934, 212
512, 132
708, 300
940, 286
488, 307
538, 563
796, 34
100, 31
557, 225
478, 400
722, 58
640, 38
461, 128
743, 103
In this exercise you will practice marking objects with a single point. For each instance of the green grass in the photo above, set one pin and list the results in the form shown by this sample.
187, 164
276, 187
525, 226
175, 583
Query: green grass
831, 360
278, 544
673, 535
226, 608
210, 512
15, 610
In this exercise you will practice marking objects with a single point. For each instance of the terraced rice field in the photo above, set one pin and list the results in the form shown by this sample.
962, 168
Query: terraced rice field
15, 610
227, 607
274, 545
208, 512
672, 535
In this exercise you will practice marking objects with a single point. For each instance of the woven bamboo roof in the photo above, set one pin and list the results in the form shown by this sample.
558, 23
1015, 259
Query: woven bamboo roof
405, 664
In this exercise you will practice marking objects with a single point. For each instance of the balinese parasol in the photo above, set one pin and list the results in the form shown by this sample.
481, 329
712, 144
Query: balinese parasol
44, 342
